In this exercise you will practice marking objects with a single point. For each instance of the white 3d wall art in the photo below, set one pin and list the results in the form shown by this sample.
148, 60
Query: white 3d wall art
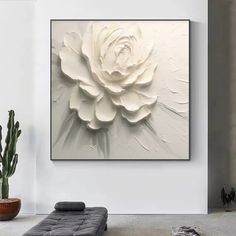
119, 90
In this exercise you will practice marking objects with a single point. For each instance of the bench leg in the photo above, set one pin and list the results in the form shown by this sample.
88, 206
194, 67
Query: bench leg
105, 228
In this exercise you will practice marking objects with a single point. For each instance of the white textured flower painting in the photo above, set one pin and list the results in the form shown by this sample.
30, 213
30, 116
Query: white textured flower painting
120, 89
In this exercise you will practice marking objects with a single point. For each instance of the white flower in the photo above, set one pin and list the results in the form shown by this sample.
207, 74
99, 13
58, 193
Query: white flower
120, 62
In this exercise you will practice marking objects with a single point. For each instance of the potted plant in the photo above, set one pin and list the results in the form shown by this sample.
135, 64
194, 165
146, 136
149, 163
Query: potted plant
9, 207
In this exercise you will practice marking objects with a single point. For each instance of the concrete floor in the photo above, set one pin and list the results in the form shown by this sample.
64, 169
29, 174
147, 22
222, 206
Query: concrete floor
214, 224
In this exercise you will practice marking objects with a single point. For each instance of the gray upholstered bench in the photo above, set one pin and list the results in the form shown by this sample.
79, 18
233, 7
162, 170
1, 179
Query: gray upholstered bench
72, 219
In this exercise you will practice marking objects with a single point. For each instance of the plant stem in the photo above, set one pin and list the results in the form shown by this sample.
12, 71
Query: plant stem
5, 188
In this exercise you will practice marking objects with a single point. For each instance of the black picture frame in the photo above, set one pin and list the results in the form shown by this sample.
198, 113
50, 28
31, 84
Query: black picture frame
189, 107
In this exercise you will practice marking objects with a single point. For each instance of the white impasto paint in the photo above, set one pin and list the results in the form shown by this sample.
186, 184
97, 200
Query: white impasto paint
121, 61
129, 74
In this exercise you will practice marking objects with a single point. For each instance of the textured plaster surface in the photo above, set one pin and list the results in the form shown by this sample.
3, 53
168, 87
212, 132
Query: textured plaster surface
143, 107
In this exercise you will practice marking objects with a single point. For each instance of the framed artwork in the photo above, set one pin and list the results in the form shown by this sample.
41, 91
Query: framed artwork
119, 89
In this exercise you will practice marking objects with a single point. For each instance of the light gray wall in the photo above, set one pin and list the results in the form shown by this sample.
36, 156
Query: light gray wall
17, 92
123, 187
222, 105
130, 186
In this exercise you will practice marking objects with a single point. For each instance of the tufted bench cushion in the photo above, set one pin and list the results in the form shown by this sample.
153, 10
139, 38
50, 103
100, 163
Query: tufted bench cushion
89, 222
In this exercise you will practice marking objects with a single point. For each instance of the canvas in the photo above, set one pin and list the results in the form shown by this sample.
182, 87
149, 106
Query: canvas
120, 89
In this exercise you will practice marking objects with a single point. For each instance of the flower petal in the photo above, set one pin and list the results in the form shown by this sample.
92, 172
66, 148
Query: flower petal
116, 100
134, 76
131, 102
73, 41
94, 124
112, 35
90, 53
72, 65
75, 99
87, 43
82, 104
141, 114
146, 52
114, 89
86, 110
105, 111
147, 99
69, 63
91, 91
147, 77
134, 100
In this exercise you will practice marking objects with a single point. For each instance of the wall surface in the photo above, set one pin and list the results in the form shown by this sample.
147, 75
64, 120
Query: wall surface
222, 109
232, 42
125, 186
17, 89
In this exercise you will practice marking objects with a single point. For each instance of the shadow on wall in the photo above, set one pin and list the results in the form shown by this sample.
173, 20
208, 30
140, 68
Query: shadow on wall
219, 83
